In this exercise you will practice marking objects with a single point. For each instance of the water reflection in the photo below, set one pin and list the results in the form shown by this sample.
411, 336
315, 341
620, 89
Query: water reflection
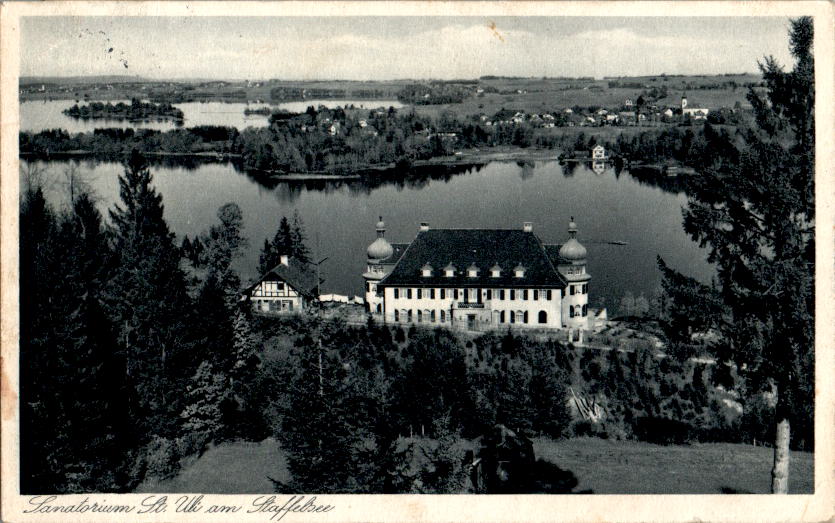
640, 209
36, 116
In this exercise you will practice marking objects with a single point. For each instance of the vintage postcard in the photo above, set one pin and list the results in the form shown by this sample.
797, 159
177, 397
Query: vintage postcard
417, 261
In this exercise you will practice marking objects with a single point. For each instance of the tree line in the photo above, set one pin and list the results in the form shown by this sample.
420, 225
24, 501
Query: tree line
122, 339
136, 110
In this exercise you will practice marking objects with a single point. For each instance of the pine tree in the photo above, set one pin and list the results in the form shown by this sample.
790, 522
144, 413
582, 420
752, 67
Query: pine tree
266, 258
40, 414
204, 396
314, 431
245, 346
281, 244
76, 434
298, 248
755, 213
148, 298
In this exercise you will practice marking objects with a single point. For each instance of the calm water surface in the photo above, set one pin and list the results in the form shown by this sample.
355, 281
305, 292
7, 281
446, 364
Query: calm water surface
40, 115
340, 217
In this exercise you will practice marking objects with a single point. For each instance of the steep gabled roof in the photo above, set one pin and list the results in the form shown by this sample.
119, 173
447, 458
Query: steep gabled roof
300, 276
480, 247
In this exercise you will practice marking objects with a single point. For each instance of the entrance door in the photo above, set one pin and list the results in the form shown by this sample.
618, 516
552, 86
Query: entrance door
471, 322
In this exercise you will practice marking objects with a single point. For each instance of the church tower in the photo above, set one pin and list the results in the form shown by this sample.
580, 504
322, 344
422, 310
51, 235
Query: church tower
378, 252
572, 266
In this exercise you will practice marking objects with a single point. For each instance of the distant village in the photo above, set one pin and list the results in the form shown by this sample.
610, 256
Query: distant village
628, 113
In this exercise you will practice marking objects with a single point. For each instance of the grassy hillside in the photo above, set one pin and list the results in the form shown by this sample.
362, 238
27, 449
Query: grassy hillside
230, 468
601, 466
631, 467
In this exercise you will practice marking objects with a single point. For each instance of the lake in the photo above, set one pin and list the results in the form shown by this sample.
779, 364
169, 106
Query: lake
39, 115
339, 217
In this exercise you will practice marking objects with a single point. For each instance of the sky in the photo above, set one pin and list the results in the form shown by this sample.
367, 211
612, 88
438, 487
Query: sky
380, 48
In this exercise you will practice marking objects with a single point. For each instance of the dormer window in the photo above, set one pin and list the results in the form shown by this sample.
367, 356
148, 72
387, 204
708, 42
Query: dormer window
426, 270
472, 271
519, 271
449, 271
495, 271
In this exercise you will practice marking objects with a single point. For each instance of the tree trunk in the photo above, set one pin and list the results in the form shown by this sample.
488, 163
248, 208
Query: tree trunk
780, 470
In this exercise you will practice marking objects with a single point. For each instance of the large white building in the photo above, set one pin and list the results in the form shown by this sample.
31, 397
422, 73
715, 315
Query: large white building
478, 279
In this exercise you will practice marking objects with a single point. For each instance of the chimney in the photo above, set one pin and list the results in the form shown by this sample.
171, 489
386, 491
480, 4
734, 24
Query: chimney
527, 227
424, 226
285, 260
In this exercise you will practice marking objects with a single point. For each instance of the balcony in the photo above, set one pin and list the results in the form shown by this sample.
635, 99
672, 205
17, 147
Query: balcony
464, 305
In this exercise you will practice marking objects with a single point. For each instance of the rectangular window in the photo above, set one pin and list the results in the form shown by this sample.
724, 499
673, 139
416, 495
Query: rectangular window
525, 317
571, 290
512, 297
432, 294
549, 294
501, 294
489, 294
432, 315
525, 294
419, 316
585, 288
443, 316
409, 315
455, 294
409, 293
512, 316
535, 294
501, 317
396, 293
396, 315
419, 294
443, 294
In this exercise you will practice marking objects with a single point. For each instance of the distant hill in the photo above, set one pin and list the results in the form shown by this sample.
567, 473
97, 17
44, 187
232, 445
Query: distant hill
105, 79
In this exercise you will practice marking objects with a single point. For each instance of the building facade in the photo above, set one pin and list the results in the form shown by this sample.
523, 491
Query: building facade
478, 280
287, 288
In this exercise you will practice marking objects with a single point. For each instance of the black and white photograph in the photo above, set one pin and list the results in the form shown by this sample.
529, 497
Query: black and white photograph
290, 257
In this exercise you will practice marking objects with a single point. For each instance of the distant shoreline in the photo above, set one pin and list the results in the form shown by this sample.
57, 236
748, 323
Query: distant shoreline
481, 156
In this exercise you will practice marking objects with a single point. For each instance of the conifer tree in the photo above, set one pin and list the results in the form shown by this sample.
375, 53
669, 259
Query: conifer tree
315, 430
40, 415
148, 297
205, 394
755, 213
298, 247
76, 434
281, 244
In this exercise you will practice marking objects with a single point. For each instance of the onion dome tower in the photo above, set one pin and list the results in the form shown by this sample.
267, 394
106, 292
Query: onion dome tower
572, 266
377, 253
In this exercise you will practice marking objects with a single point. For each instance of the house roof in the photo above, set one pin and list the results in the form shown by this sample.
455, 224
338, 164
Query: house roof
553, 252
397, 250
298, 275
483, 248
